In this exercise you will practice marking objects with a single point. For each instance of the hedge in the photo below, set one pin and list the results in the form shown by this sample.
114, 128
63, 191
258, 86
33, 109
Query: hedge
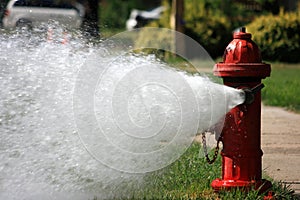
211, 31
277, 36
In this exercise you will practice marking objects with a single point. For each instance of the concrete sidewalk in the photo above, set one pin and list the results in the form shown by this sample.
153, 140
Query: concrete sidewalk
281, 145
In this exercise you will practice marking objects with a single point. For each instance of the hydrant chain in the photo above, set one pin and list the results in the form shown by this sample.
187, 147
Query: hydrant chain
210, 161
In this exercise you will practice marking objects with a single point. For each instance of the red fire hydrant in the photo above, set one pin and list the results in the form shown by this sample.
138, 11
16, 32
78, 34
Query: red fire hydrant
242, 68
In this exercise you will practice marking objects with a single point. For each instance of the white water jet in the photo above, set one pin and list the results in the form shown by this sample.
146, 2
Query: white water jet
74, 118
143, 112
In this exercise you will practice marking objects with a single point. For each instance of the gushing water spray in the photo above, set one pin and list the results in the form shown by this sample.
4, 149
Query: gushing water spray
132, 114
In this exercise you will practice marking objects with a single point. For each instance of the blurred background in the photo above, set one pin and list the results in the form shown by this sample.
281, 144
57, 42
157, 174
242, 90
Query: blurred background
275, 24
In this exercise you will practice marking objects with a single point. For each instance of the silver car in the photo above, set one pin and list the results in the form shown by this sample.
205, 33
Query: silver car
32, 13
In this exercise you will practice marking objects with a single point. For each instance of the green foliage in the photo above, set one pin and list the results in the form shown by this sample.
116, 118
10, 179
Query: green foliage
277, 36
238, 194
114, 13
283, 191
212, 30
162, 40
213, 33
209, 22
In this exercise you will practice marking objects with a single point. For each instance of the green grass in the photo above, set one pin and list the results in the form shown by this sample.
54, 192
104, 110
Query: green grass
190, 178
283, 86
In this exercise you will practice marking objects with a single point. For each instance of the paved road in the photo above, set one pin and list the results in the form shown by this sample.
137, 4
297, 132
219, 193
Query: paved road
281, 145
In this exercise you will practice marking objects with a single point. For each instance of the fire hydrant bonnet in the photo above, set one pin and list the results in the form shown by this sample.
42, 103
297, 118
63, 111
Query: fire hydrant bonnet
242, 58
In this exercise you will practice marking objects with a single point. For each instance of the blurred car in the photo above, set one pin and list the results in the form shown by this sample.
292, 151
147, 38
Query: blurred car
32, 13
139, 18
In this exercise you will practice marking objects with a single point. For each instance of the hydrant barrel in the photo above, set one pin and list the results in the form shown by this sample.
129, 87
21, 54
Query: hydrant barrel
242, 68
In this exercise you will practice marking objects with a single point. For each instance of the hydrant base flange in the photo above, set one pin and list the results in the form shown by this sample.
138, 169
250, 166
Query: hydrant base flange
260, 185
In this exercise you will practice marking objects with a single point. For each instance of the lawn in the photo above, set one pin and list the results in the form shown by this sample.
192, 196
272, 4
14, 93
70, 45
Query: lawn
283, 87
190, 178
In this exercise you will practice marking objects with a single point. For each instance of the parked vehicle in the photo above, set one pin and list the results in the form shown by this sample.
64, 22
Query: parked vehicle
32, 13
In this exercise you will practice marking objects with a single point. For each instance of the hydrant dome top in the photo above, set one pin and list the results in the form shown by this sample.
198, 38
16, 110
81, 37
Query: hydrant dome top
242, 58
242, 50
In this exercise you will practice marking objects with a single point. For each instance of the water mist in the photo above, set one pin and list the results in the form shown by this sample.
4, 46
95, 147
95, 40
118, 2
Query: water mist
79, 120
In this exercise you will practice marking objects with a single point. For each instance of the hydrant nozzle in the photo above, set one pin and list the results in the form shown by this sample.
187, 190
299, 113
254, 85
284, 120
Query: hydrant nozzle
250, 92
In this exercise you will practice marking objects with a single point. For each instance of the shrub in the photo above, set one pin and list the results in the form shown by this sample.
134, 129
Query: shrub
162, 41
211, 23
213, 33
211, 30
277, 36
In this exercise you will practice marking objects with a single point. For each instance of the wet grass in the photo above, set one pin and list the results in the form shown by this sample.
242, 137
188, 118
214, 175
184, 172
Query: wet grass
190, 178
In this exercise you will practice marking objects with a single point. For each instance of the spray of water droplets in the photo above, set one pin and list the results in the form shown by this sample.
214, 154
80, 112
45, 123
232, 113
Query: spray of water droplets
79, 120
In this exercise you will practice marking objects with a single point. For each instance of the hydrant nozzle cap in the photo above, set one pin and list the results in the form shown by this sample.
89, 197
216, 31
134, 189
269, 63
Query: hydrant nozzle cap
241, 34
